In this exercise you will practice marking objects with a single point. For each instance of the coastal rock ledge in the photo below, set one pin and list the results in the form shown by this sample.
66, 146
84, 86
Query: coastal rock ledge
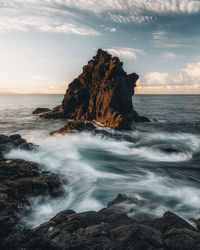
102, 93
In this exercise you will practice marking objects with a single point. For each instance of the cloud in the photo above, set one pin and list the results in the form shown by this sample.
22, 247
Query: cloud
68, 16
192, 70
169, 55
42, 16
118, 18
134, 8
111, 29
108, 28
125, 53
37, 78
156, 78
137, 11
185, 81
164, 39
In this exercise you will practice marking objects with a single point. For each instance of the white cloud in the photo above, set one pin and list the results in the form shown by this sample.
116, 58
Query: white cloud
185, 81
108, 28
125, 53
61, 15
124, 18
156, 78
112, 29
175, 6
169, 55
138, 11
42, 16
192, 70
136, 6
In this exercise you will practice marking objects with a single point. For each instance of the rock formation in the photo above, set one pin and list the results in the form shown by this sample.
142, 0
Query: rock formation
40, 111
74, 126
109, 228
14, 141
103, 93
20, 180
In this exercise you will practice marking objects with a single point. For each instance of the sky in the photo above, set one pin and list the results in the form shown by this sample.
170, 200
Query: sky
45, 43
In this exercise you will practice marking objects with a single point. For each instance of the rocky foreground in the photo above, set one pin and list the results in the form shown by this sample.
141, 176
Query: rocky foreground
109, 228
102, 93
20, 180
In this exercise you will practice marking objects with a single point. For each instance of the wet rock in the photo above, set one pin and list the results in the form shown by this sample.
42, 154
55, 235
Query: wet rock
12, 142
40, 110
182, 239
74, 126
98, 230
198, 225
107, 229
103, 92
169, 221
55, 113
19, 180
122, 198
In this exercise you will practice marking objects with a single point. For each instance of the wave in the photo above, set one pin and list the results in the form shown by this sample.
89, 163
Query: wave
97, 169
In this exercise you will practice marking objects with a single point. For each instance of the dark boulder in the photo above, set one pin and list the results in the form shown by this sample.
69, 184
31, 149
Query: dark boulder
103, 92
12, 142
182, 239
74, 126
40, 111
198, 224
107, 229
169, 221
19, 180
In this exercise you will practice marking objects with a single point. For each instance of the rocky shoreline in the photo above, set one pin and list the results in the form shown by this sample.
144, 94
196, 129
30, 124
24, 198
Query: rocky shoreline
98, 101
20, 180
109, 228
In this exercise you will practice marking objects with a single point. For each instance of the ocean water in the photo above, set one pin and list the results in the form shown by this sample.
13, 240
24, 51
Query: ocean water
96, 169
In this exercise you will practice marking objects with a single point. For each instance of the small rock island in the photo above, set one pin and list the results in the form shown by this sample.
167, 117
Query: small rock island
102, 93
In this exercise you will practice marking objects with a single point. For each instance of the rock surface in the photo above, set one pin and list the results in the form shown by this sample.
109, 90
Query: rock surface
74, 126
40, 111
108, 228
103, 92
20, 180
14, 141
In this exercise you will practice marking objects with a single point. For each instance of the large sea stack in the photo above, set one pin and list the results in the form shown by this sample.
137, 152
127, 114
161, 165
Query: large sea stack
103, 93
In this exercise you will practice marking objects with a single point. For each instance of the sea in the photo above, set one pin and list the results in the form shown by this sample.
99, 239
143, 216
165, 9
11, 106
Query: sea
95, 169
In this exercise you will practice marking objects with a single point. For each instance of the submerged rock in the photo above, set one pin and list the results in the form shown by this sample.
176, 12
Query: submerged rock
103, 92
40, 110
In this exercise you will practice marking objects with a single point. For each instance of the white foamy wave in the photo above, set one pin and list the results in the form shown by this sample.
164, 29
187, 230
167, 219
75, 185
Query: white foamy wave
97, 169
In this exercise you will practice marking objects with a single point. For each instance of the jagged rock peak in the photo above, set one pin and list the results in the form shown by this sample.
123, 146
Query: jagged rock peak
103, 93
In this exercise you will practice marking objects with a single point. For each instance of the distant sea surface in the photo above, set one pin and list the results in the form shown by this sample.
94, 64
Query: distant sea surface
96, 169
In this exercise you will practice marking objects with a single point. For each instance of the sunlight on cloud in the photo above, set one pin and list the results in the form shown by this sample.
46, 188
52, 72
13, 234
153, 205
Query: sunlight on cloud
193, 71
186, 81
